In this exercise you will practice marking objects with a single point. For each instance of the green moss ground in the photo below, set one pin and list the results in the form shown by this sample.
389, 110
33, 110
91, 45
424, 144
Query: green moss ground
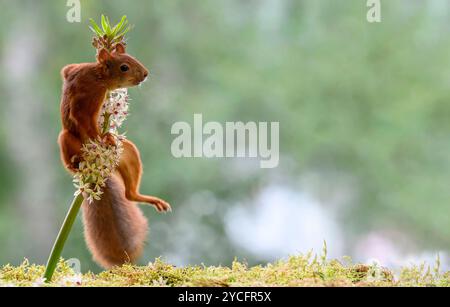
305, 270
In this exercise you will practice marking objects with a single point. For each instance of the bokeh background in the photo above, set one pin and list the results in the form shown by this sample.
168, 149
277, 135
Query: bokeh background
364, 111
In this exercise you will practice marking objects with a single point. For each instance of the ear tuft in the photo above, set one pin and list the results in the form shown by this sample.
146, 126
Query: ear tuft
120, 48
103, 56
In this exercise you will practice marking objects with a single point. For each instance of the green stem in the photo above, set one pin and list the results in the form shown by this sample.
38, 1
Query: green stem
107, 123
62, 237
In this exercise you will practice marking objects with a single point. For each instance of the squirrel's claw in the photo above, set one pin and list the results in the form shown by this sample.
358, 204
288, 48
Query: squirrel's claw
109, 139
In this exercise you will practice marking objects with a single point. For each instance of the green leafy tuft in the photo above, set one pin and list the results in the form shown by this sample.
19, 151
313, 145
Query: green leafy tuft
108, 36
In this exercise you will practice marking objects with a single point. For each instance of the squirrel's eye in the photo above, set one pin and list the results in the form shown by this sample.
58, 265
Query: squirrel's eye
124, 68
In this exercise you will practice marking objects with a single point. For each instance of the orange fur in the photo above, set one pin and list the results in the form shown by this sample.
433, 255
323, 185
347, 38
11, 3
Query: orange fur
114, 226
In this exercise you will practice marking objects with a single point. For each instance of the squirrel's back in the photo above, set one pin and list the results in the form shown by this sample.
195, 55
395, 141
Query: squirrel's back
115, 228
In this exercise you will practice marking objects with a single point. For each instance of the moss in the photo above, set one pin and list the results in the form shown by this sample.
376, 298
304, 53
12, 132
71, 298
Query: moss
303, 270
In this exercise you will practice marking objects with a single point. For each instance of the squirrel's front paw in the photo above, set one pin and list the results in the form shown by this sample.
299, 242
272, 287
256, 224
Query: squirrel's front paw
109, 139
74, 165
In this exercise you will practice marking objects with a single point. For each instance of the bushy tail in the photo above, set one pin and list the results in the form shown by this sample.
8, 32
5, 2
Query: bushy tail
115, 228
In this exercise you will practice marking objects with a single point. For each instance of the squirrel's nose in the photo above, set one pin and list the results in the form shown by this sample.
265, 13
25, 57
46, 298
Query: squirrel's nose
145, 74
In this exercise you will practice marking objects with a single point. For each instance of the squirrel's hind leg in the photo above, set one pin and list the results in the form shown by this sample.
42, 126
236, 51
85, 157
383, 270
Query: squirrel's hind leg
130, 169
70, 148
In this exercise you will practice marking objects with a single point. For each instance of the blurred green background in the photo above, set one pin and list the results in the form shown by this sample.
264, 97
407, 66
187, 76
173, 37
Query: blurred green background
363, 109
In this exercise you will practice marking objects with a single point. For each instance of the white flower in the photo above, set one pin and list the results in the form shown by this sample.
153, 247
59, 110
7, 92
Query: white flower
161, 282
115, 109
39, 282
7, 285
100, 160
74, 280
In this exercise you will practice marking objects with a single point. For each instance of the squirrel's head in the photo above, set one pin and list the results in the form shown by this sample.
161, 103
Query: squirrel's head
120, 69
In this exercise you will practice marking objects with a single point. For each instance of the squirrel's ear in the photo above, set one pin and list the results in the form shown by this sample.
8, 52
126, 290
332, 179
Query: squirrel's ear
120, 48
103, 56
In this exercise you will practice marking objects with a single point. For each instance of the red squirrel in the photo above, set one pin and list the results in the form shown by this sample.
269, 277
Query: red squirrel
115, 228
